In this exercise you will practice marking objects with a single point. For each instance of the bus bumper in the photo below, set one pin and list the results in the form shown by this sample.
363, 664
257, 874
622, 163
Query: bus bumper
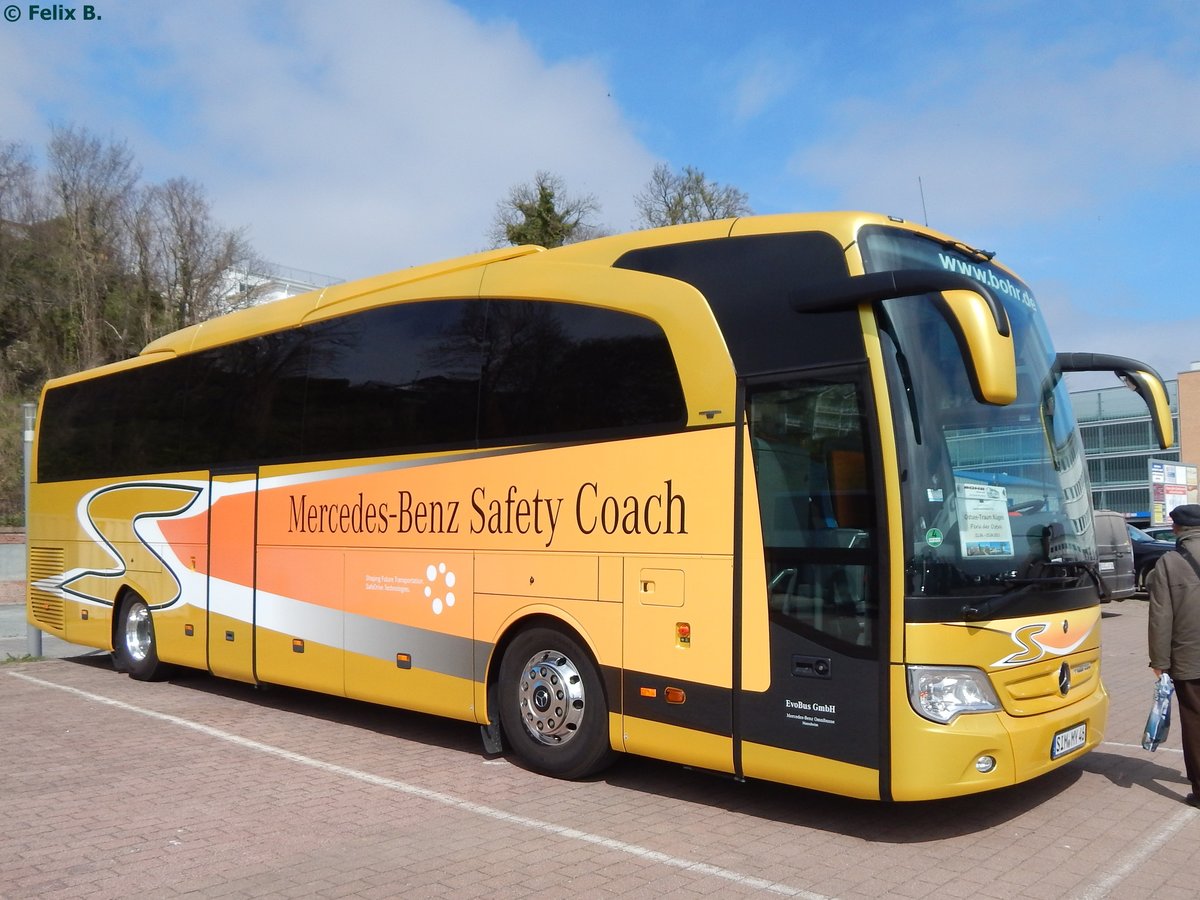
931, 761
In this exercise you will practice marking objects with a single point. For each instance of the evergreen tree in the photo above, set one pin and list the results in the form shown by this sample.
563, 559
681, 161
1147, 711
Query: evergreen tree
542, 213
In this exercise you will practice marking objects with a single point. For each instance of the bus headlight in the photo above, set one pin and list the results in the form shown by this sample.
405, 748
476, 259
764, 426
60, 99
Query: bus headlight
939, 693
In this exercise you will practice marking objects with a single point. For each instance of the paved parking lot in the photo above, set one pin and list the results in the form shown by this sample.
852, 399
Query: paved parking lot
112, 788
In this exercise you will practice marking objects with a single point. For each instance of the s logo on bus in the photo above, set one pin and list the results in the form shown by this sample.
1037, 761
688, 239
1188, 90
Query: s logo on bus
1038, 639
117, 516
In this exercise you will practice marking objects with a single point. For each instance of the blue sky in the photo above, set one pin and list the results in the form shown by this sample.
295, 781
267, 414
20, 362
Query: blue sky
356, 138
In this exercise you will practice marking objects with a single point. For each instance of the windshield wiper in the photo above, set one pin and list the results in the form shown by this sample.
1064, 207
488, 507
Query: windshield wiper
905, 373
1081, 567
968, 250
1038, 575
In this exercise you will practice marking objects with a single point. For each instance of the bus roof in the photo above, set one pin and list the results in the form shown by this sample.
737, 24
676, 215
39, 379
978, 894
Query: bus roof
292, 311
462, 277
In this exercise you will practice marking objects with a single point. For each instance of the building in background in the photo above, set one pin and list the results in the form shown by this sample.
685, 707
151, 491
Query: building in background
1121, 451
1189, 418
267, 282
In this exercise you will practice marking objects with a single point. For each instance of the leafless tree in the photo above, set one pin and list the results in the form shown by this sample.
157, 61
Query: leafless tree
193, 255
17, 177
91, 185
93, 265
672, 199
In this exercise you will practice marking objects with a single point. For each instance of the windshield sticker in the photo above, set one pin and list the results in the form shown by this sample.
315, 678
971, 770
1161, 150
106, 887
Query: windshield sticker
987, 276
934, 495
984, 525
933, 537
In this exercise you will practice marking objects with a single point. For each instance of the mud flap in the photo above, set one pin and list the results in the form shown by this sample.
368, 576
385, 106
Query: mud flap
493, 745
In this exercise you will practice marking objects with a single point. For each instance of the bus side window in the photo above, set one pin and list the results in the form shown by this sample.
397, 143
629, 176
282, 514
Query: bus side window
392, 380
564, 369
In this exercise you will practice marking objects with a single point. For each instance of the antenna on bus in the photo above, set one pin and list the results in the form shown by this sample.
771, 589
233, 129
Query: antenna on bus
924, 213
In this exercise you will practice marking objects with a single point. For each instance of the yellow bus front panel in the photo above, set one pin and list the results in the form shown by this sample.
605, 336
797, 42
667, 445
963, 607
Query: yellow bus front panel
931, 760
1045, 674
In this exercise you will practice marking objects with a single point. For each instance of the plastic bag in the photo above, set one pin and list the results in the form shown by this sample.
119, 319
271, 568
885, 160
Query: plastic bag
1158, 723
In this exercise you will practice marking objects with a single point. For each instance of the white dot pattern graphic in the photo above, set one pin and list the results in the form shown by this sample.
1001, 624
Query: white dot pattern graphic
438, 590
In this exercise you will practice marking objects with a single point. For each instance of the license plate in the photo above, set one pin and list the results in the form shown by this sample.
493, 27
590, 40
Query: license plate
1108, 567
1069, 739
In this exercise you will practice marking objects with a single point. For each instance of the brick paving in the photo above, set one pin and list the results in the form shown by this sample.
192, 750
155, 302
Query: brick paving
203, 788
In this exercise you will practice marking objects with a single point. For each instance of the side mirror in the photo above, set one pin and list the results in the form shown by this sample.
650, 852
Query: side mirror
989, 355
1138, 377
978, 320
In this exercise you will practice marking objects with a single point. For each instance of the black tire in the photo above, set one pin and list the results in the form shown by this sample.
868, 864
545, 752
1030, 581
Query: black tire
1143, 575
552, 705
134, 646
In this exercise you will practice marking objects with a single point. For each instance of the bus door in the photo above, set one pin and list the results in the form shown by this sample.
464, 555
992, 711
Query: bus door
232, 529
811, 705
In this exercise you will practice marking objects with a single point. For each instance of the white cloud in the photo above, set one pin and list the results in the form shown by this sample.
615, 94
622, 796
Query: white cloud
760, 83
995, 140
1071, 152
19, 121
1081, 324
349, 139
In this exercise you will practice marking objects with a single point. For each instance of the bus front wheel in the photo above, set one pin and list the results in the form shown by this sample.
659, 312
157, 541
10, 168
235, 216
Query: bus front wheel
135, 649
552, 706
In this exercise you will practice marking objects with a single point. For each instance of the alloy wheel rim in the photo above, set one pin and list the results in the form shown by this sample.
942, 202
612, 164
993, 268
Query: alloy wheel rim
551, 698
137, 632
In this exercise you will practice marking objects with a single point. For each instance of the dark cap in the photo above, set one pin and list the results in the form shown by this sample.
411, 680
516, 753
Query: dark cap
1186, 516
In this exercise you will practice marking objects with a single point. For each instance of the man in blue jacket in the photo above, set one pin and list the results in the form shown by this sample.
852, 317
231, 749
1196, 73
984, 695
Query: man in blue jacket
1174, 588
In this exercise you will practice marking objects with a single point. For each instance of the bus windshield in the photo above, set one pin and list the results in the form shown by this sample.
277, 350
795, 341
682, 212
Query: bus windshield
995, 498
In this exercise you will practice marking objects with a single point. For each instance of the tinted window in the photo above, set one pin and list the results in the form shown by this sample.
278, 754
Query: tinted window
132, 421
749, 281
222, 407
560, 368
81, 421
389, 380
817, 509
396, 378
243, 401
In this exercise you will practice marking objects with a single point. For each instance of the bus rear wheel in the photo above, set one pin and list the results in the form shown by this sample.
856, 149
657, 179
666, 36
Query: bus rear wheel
135, 649
552, 705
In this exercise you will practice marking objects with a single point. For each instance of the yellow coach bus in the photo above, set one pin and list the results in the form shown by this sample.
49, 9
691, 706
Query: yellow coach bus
797, 498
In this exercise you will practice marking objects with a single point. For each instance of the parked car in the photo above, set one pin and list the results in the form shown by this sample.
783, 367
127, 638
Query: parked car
1114, 554
1146, 552
1161, 532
